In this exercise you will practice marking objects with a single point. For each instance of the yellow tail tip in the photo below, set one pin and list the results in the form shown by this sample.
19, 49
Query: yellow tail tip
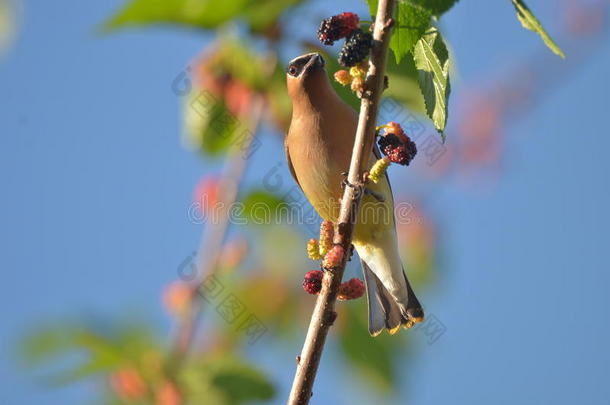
412, 321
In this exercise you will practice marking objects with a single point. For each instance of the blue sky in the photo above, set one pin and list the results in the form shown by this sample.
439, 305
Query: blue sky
96, 186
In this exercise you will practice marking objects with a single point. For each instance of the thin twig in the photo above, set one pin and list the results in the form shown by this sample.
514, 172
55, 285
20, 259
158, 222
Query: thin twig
324, 312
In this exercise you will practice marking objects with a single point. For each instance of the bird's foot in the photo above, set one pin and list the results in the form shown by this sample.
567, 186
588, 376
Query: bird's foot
358, 187
344, 182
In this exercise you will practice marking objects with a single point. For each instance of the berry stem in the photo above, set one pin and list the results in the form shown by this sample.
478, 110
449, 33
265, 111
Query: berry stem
324, 312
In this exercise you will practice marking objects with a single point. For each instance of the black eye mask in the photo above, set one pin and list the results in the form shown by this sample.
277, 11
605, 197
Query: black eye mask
294, 70
296, 66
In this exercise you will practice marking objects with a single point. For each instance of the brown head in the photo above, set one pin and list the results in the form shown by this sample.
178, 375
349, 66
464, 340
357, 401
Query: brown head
307, 80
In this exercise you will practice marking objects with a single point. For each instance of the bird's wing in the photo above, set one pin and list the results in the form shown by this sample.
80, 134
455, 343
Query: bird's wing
290, 166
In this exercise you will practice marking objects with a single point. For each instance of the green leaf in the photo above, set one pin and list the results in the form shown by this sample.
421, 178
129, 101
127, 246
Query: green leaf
412, 20
436, 7
195, 13
529, 21
403, 84
432, 63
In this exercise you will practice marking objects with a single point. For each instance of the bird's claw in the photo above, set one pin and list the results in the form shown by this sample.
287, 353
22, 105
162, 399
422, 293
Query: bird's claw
346, 183
361, 190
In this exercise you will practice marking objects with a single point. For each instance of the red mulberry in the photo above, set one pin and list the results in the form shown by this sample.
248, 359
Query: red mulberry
333, 258
312, 283
337, 27
350, 290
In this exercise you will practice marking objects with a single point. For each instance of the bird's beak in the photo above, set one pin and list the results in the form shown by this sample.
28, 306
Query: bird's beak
315, 61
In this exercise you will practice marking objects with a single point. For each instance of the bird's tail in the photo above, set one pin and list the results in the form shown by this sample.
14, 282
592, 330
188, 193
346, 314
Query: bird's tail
386, 311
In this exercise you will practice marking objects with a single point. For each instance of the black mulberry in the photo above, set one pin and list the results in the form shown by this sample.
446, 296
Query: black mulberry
356, 48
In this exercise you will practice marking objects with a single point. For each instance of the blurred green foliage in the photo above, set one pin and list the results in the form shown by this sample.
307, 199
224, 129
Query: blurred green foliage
104, 349
260, 15
376, 358
224, 379
212, 128
135, 365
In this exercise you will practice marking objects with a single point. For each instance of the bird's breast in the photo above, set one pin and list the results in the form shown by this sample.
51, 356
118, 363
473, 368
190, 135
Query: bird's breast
320, 143
319, 176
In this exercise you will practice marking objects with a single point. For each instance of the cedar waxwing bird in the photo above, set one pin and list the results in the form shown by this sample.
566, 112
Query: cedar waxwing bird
318, 149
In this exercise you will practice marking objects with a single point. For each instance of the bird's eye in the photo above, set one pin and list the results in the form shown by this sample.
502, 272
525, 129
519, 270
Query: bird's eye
292, 70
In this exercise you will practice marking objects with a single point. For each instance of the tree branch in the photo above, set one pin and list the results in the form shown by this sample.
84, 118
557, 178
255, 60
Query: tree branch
324, 312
